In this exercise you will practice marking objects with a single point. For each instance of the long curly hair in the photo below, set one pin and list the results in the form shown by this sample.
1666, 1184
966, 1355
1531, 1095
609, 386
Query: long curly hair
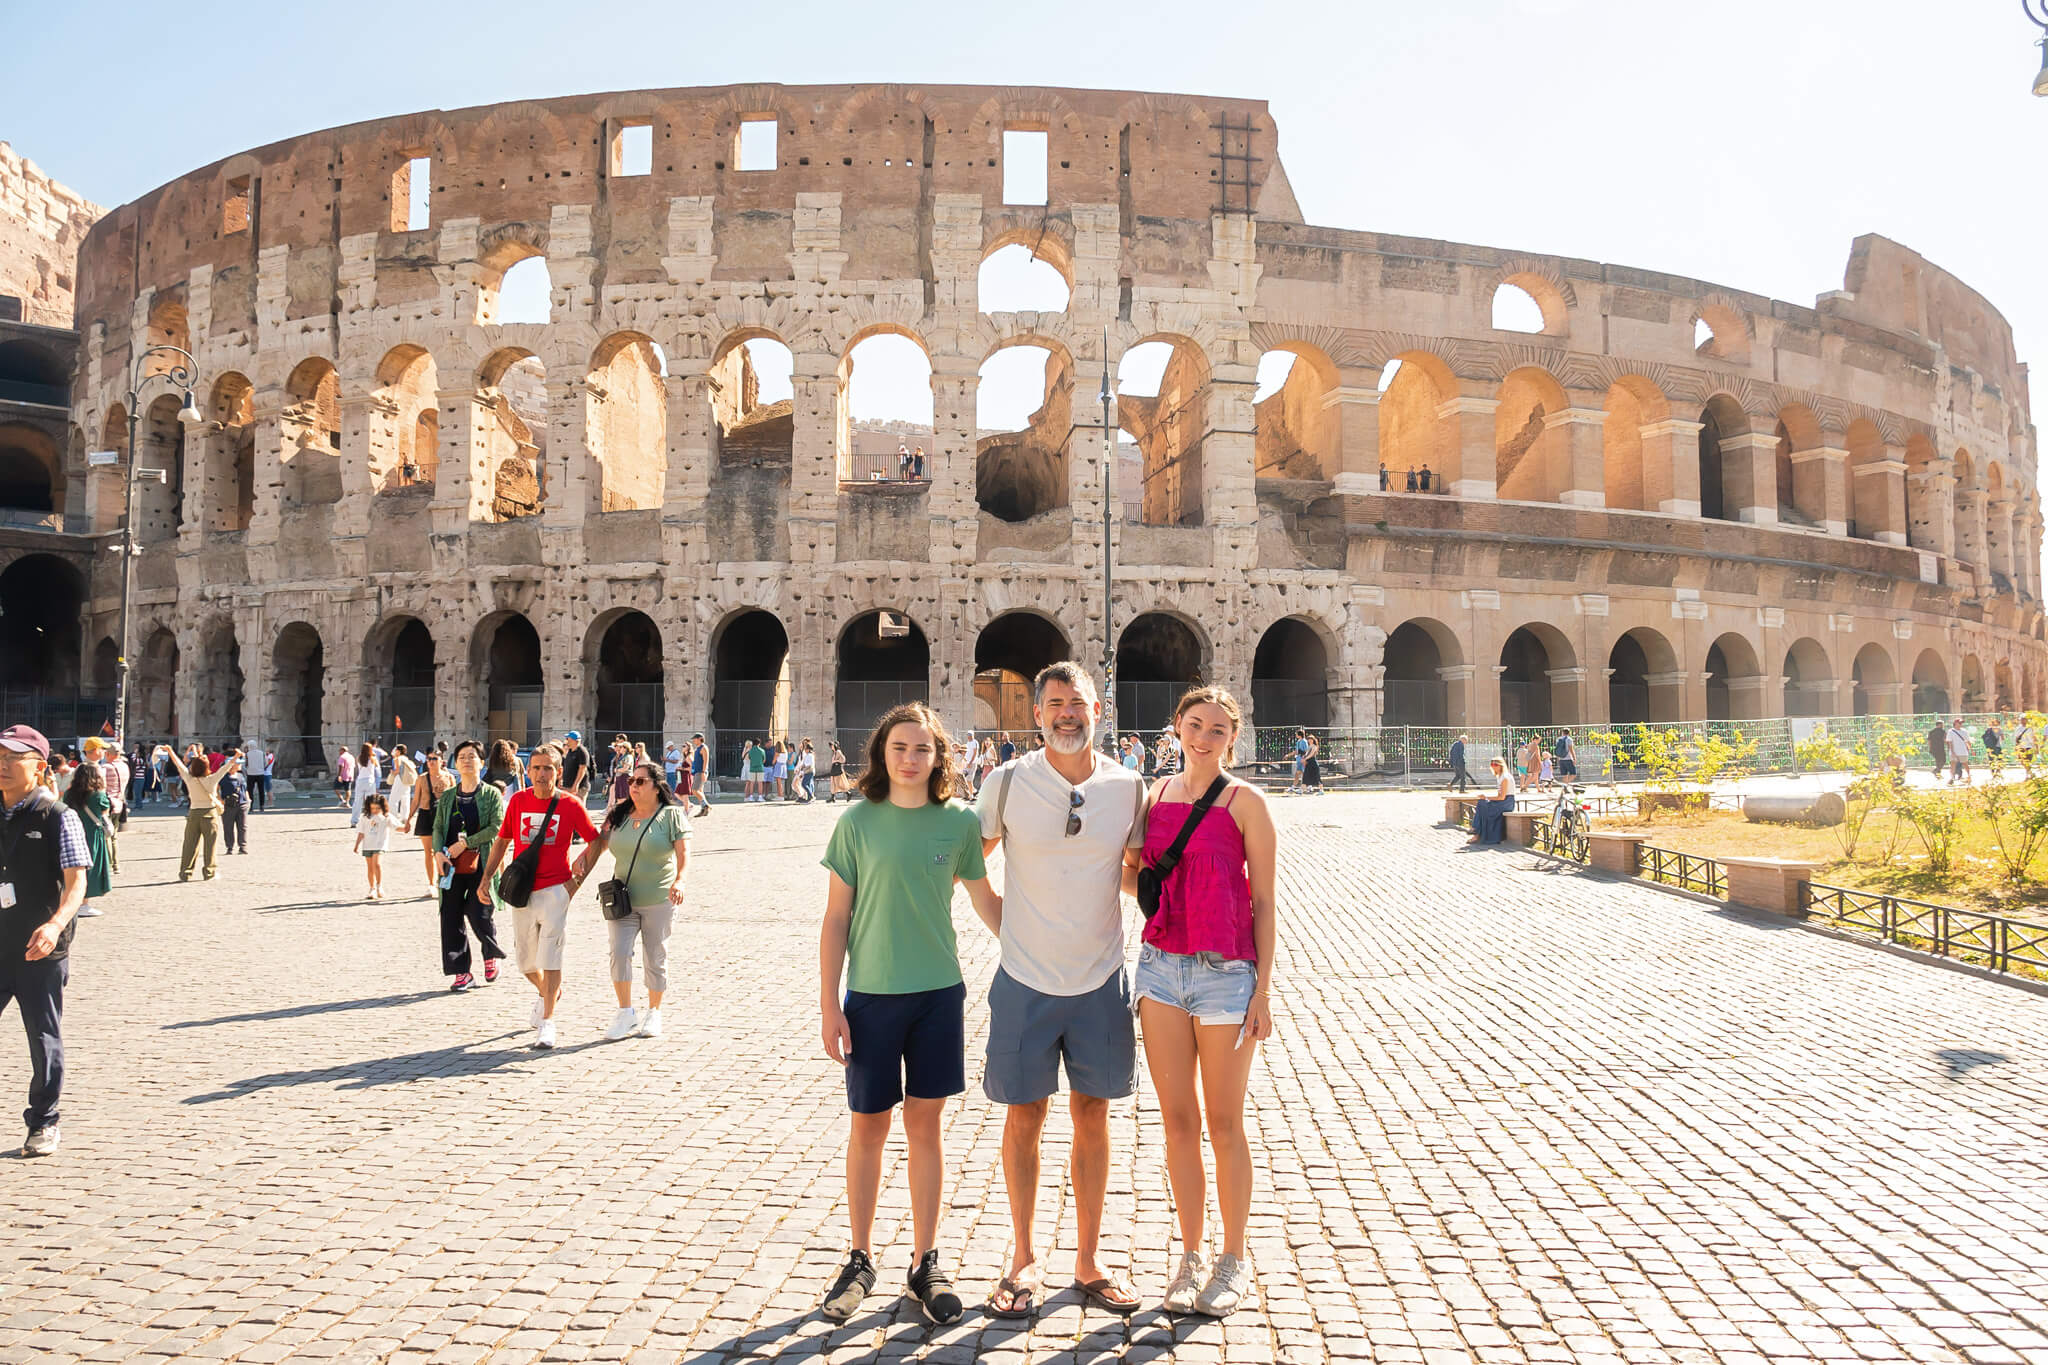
874, 782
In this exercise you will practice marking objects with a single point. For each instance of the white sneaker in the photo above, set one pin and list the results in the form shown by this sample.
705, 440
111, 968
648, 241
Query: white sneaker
1186, 1286
544, 1036
623, 1024
650, 1024
41, 1142
540, 1011
90, 912
1230, 1284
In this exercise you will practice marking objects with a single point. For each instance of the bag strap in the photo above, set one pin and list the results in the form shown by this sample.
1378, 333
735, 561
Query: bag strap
1003, 799
1170, 859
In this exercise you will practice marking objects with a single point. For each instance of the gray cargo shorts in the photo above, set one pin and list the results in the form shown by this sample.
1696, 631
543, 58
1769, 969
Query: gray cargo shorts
1030, 1033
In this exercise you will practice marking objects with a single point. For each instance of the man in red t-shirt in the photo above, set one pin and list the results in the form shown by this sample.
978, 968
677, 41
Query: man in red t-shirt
538, 926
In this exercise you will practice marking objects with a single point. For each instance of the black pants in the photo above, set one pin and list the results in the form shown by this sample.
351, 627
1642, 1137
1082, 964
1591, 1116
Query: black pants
259, 792
459, 905
1460, 779
37, 988
234, 825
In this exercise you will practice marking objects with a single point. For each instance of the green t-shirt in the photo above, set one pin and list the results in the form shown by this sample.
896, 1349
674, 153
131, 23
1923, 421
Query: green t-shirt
901, 863
654, 870
757, 758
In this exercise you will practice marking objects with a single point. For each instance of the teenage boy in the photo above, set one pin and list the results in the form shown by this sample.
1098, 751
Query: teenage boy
1064, 815
893, 859
539, 925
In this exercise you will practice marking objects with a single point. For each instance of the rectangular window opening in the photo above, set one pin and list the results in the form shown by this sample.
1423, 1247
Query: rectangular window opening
411, 192
1025, 156
757, 145
633, 150
234, 209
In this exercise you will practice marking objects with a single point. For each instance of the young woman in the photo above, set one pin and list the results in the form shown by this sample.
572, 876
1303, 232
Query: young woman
466, 819
87, 794
1202, 983
893, 860
372, 838
503, 771
649, 837
805, 782
367, 780
426, 794
836, 772
403, 777
1489, 817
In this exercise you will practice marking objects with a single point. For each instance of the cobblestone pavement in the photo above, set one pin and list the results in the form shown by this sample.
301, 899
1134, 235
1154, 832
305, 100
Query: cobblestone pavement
1510, 1114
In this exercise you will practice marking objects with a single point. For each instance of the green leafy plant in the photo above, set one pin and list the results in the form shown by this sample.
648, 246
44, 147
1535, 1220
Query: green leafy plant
1717, 757
2018, 814
1937, 818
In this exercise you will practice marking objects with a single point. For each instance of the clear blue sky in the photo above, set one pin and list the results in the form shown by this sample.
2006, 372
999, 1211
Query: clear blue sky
1745, 142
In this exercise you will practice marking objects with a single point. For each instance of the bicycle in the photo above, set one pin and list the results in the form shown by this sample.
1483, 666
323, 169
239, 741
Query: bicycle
1570, 823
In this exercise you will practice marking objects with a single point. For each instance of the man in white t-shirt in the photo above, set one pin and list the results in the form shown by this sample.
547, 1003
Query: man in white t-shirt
1064, 815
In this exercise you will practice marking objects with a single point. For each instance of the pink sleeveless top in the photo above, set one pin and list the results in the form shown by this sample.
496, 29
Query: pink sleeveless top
1206, 905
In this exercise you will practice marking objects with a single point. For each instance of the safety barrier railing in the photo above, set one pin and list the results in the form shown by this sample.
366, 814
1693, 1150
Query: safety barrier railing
1999, 942
1686, 871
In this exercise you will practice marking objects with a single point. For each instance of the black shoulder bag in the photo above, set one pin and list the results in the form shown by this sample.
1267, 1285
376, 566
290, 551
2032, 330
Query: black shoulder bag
1151, 879
515, 883
611, 895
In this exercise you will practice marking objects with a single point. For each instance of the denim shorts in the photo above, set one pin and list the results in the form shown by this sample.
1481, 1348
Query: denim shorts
1212, 988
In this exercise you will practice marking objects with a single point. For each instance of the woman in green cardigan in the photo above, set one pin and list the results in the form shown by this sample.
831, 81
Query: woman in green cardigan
466, 820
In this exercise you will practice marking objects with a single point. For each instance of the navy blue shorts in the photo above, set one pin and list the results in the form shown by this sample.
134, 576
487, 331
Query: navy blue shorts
911, 1044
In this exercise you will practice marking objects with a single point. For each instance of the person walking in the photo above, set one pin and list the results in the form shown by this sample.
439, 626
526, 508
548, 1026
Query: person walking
202, 818
234, 805
426, 796
804, 783
365, 783
1312, 767
672, 769
1203, 983
1065, 817
1937, 747
503, 771
1957, 744
404, 777
699, 771
1567, 758
372, 837
837, 783
1994, 746
44, 864
540, 925
899, 1032
2026, 743
87, 795
649, 837
1461, 777
574, 767
467, 817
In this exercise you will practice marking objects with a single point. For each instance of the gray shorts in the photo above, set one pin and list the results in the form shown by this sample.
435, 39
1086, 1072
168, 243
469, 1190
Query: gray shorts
1029, 1033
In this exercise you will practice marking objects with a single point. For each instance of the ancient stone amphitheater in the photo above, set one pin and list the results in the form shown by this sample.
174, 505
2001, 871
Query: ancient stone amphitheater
1659, 499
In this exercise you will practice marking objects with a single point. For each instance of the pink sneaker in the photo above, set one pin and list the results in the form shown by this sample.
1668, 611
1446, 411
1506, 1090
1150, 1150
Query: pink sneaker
490, 969
462, 983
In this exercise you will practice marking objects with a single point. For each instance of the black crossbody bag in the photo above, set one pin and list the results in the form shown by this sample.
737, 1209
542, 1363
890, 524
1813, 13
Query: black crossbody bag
1152, 879
611, 895
515, 883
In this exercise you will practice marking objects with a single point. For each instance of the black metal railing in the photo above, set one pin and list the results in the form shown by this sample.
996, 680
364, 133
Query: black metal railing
1686, 871
1571, 844
1976, 936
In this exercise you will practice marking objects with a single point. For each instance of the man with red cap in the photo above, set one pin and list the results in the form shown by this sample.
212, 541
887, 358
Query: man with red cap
43, 860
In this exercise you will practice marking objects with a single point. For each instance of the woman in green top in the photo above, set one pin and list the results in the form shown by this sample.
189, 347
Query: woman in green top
466, 820
649, 836
87, 795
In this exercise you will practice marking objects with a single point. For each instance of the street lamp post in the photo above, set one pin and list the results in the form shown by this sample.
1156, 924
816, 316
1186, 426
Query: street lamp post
1108, 563
2037, 12
180, 376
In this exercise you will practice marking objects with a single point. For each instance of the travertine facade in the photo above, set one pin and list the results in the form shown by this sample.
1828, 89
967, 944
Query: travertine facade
41, 226
1817, 508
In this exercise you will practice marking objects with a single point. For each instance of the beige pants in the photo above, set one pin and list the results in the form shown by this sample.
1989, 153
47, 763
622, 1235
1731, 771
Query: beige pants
200, 827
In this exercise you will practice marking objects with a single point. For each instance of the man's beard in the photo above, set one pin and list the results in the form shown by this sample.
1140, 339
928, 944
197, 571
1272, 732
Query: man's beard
1069, 741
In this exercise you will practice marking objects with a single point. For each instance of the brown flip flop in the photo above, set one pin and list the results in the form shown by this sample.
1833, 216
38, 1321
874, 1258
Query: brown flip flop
1026, 1283
1110, 1294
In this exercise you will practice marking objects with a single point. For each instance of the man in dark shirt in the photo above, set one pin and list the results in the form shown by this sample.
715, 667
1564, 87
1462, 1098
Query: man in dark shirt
575, 767
43, 859
1460, 779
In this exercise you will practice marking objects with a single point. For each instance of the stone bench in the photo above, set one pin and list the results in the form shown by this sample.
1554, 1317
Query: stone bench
1458, 809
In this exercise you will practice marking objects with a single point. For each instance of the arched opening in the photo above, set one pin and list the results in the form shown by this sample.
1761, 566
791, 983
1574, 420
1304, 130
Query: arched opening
153, 688
160, 501
41, 638
1719, 419
311, 423
1007, 656
1633, 477
31, 372
1973, 683
885, 401
1163, 406
106, 666
1538, 678
1721, 333
1531, 457
169, 325
1802, 482
217, 709
1867, 509
884, 661
630, 698
626, 424
31, 471
1291, 677
524, 293
1809, 681
1930, 684
513, 392
400, 660
1418, 685
1643, 685
1014, 280
751, 405
1024, 408
749, 686
229, 499
298, 688
405, 423
1515, 310
505, 655
2006, 693
1734, 680
1873, 682
1294, 426
1158, 657
1413, 390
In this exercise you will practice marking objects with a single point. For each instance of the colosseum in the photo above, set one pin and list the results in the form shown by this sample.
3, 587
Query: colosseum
1654, 499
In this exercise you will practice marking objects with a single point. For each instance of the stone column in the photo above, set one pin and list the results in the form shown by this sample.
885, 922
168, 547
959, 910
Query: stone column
1770, 623
1229, 498
358, 415
196, 506
950, 501
1998, 556
1574, 440
1819, 487
1670, 691
267, 510
1354, 407
462, 488
1970, 527
1749, 477
1457, 680
690, 445
1932, 500
458, 714
1881, 498
1465, 447
1671, 467
820, 426
570, 482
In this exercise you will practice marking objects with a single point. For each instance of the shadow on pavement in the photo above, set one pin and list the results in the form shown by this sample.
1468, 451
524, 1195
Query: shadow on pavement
1960, 1061
299, 1011
457, 1061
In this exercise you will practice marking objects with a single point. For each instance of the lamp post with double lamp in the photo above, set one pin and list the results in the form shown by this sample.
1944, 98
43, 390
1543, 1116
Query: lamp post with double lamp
2037, 12
180, 375
1108, 553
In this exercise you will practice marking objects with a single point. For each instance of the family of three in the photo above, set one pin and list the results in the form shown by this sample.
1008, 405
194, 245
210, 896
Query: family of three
1077, 830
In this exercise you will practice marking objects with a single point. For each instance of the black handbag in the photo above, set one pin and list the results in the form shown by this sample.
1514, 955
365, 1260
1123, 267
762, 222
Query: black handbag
611, 895
1152, 879
515, 883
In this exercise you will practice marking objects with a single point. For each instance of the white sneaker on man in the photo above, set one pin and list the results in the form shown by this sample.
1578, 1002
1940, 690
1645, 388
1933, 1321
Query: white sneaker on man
540, 1011
650, 1024
544, 1036
623, 1024
42, 1142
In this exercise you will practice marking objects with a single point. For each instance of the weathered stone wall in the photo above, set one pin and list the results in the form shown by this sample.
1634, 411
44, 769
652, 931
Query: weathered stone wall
41, 226
1612, 480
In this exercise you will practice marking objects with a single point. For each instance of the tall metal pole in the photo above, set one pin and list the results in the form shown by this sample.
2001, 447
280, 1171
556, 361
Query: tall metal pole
180, 376
1108, 513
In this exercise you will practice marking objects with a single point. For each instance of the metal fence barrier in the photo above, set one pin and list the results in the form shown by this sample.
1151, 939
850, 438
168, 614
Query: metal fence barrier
1976, 936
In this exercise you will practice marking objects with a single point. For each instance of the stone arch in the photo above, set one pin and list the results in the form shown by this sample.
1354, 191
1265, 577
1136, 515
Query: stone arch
1541, 290
1728, 332
1802, 475
1292, 667
153, 705
1169, 427
1295, 429
1974, 694
295, 711
1735, 681
1159, 654
850, 385
1417, 445
405, 421
1873, 682
31, 470
506, 671
1424, 676
169, 324
622, 657
1924, 524
881, 659
1867, 486
218, 682
626, 424
1021, 267
1022, 473
1809, 679
513, 396
311, 425
160, 501
1723, 491
1539, 677
1008, 653
750, 682
1531, 453
498, 252
1644, 685
228, 500
401, 677
1636, 471
1930, 684
42, 645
